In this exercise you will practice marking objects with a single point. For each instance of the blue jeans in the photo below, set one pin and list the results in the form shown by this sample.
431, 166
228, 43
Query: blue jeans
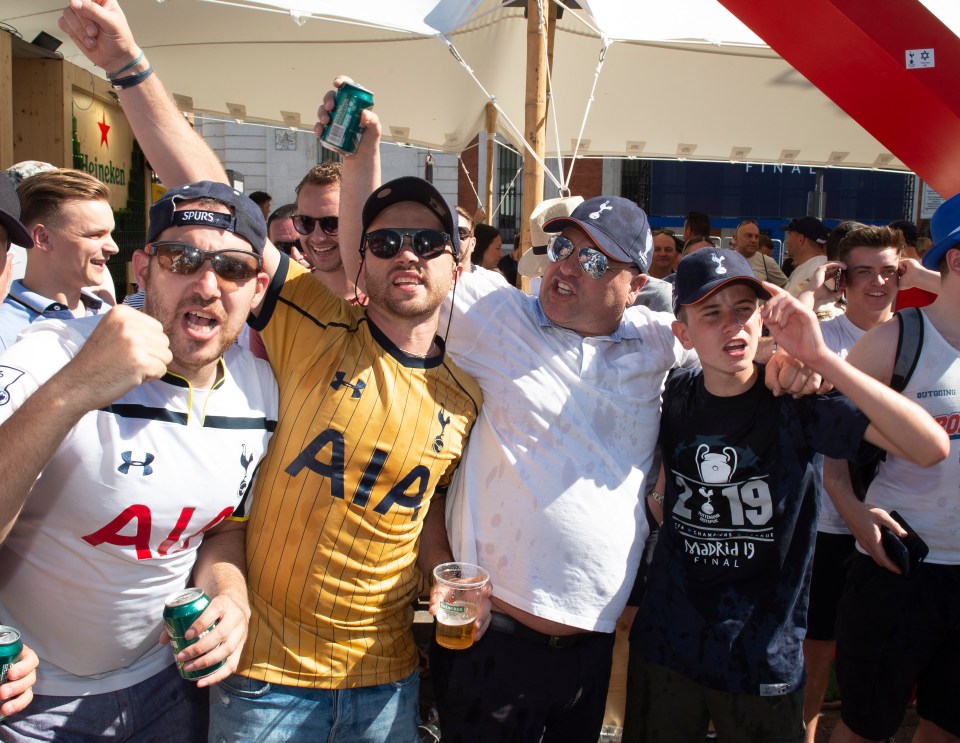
165, 708
243, 710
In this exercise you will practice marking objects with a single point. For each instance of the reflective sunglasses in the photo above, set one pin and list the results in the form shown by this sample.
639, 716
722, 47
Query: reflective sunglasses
425, 243
285, 246
464, 232
305, 225
180, 258
593, 262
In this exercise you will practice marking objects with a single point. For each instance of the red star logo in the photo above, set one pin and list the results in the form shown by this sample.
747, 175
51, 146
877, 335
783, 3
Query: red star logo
104, 128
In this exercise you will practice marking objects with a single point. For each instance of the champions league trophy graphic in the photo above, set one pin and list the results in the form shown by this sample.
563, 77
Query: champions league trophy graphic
715, 468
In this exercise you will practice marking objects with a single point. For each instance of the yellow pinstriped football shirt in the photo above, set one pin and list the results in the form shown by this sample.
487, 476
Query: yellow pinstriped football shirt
365, 435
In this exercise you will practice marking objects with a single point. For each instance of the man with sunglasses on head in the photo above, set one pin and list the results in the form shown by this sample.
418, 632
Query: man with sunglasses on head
130, 442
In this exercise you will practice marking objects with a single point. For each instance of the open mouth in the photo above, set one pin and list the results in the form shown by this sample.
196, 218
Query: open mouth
564, 288
201, 324
735, 346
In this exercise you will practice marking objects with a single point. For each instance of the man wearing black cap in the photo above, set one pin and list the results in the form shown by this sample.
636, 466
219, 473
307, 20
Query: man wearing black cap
897, 633
12, 231
805, 243
374, 418
718, 632
130, 440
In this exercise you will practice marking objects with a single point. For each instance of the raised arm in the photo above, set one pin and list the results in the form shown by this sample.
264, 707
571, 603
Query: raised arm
896, 423
359, 177
177, 153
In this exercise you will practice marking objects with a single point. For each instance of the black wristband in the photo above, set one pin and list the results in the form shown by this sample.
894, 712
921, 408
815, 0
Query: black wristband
128, 82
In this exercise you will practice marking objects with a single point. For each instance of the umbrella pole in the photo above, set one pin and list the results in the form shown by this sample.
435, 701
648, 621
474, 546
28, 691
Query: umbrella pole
535, 111
491, 126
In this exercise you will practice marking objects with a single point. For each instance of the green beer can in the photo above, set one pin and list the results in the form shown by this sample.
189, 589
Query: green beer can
342, 134
180, 611
10, 648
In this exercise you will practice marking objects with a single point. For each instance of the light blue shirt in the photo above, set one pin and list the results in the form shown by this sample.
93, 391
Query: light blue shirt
22, 307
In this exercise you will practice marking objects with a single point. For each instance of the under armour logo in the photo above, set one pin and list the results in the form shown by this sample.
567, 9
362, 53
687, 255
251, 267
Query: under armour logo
340, 380
719, 259
129, 461
438, 442
604, 207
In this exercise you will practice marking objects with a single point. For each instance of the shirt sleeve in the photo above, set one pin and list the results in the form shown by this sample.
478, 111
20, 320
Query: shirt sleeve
32, 361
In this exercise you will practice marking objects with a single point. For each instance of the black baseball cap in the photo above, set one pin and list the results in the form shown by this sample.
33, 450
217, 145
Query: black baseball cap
809, 227
419, 191
246, 221
707, 270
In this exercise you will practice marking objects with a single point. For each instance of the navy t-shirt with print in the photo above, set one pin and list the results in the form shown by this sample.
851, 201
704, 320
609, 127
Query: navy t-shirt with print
726, 597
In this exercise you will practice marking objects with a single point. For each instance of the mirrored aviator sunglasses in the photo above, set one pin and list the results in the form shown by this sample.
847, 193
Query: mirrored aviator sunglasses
305, 225
592, 261
388, 242
184, 259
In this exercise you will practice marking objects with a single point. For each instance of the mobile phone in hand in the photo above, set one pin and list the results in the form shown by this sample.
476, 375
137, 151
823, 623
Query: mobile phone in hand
905, 552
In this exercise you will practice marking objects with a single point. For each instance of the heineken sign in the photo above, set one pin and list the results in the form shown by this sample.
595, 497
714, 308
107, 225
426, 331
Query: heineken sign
104, 144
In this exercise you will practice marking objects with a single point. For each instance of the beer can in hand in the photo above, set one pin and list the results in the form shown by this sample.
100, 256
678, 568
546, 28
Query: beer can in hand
11, 646
343, 132
180, 611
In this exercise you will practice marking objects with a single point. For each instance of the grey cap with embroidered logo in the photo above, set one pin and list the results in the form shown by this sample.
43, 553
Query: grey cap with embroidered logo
616, 225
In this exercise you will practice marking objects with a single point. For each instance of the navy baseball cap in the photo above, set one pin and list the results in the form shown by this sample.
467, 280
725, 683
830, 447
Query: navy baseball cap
945, 231
10, 214
704, 271
419, 191
246, 221
809, 227
618, 227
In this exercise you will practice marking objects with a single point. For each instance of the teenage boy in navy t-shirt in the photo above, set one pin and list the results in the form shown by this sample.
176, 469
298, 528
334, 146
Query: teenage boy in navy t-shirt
719, 631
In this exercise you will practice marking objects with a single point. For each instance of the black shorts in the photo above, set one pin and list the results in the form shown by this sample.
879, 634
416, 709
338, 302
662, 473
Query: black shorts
667, 707
826, 583
508, 688
894, 633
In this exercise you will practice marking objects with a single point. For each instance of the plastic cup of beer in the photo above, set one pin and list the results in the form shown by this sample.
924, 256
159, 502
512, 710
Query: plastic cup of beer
461, 595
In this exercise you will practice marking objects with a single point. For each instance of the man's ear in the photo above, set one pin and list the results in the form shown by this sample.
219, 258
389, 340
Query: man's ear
636, 284
40, 237
680, 331
141, 262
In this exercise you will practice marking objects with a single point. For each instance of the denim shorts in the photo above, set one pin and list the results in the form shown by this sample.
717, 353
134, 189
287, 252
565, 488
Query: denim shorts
244, 710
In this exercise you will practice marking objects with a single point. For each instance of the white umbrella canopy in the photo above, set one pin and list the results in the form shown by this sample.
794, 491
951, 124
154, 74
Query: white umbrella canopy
679, 79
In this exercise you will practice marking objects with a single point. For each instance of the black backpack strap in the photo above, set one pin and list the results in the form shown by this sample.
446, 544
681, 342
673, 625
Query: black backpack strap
908, 347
